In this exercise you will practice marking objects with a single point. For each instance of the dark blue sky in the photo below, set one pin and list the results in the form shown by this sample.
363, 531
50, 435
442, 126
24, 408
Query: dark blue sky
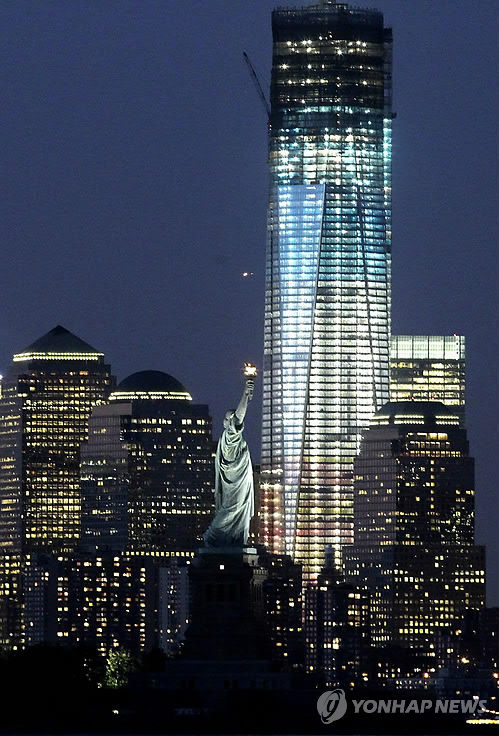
134, 187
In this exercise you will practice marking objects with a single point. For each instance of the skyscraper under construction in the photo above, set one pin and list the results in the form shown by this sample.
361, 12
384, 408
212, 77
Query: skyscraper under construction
327, 312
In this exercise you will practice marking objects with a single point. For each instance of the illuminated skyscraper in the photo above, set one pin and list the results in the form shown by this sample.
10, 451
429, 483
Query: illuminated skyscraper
428, 368
146, 497
47, 397
148, 470
46, 401
414, 525
101, 601
327, 311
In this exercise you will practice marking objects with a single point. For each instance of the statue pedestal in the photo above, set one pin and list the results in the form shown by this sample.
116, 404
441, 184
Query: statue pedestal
226, 619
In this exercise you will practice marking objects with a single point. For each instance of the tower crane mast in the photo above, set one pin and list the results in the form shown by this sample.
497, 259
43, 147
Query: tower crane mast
257, 84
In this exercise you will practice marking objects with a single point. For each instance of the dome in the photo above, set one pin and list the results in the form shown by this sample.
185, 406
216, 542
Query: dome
150, 385
415, 412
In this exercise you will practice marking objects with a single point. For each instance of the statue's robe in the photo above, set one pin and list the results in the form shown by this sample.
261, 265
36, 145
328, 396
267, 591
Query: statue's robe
234, 496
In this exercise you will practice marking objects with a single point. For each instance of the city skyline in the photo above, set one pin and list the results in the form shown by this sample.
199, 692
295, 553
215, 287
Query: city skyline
70, 182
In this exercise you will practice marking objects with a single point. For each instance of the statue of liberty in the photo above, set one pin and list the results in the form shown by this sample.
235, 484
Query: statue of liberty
234, 493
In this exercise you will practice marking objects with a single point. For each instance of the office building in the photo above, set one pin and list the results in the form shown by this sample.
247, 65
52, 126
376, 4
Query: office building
10, 597
327, 309
489, 640
283, 609
147, 470
414, 545
428, 368
146, 491
337, 635
47, 396
173, 601
104, 601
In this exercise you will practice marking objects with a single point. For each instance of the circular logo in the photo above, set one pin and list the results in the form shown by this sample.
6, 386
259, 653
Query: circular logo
332, 705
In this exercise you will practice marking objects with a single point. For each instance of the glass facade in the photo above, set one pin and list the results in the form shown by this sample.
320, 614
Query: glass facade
428, 368
327, 310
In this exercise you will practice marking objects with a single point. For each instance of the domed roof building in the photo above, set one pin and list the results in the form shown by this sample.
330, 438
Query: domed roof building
148, 466
152, 385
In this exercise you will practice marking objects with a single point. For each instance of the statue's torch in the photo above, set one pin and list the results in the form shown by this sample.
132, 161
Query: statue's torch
250, 370
250, 373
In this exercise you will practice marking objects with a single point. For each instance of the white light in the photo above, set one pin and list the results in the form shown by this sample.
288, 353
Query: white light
57, 356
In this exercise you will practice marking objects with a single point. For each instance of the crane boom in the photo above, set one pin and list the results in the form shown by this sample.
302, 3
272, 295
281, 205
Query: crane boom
257, 84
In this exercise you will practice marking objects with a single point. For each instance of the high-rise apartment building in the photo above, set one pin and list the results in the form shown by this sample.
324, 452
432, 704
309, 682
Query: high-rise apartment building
148, 470
414, 525
327, 311
428, 368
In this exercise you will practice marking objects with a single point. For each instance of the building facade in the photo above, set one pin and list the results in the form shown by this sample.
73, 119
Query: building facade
283, 609
47, 396
327, 308
146, 498
337, 635
174, 608
429, 368
148, 470
105, 601
414, 526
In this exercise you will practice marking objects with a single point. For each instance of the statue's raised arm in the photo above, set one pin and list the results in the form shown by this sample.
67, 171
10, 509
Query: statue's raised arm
245, 399
234, 493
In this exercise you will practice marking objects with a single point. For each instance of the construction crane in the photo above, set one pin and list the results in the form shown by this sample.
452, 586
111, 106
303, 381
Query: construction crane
257, 84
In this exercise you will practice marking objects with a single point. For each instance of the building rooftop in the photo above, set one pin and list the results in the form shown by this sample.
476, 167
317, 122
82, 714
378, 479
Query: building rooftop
327, 7
415, 412
150, 385
58, 344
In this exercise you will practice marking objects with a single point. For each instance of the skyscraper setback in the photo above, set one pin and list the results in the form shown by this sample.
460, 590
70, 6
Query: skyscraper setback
327, 312
429, 368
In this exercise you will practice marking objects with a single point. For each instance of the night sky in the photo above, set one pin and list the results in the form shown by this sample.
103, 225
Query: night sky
134, 187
